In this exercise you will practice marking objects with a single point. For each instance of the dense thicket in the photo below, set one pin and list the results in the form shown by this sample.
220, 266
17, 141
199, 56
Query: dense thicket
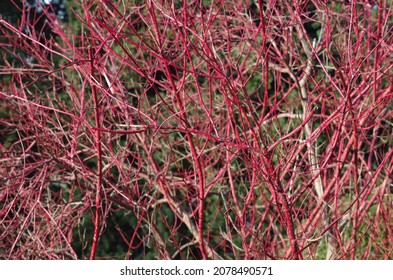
196, 129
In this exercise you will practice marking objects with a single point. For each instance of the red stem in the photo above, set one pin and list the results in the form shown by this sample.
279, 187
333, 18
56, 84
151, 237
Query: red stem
98, 206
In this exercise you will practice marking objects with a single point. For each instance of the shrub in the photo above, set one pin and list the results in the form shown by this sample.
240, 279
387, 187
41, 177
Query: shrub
199, 129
